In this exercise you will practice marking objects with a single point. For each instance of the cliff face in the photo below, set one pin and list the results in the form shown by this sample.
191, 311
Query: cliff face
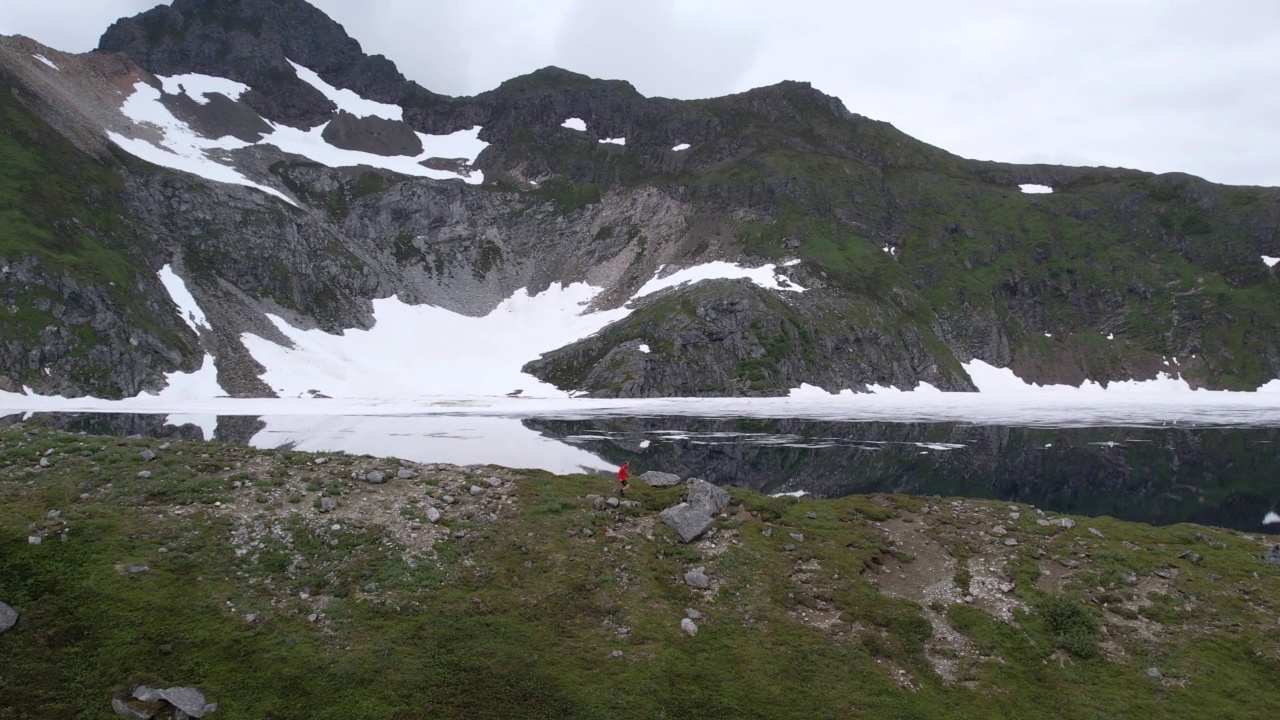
914, 260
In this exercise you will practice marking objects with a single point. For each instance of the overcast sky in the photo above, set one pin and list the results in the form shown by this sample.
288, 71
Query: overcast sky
1160, 85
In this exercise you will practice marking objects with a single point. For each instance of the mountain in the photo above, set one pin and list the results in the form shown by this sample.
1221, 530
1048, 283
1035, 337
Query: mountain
236, 188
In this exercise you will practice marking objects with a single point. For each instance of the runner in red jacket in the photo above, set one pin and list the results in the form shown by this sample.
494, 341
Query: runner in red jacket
624, 474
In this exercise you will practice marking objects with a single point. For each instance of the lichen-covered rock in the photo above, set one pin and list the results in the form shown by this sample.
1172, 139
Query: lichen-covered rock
689, 522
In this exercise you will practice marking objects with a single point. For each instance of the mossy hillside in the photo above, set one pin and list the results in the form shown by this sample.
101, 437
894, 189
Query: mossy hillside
64, 220
520, 615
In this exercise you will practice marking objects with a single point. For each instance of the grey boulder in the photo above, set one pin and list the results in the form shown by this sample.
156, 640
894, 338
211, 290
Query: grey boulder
689, 522
706, 497
697, 578
375, 478
8, 617
1273, 556
187, 699
653, 478
120, 708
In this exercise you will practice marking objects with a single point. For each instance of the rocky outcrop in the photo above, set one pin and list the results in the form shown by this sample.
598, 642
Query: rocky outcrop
375, 135
733, 337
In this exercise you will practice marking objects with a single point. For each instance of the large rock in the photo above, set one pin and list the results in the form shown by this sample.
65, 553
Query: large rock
688, 521
1273, 555
653, 478
186, 699
706, 497
8, 617
697, 578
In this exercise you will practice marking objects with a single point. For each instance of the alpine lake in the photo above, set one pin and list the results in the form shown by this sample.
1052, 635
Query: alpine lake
1162, 475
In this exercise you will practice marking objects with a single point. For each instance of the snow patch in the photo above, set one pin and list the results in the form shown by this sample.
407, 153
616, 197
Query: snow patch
464, 144
347, 99
188, 308
1270, 261
1271, 519
1033, 189
46, 61
575, 124
681, 146
766, 276
990, 379
614, 141
198, 87
199, 385
644, 349
794, 494
182, 149
418, 350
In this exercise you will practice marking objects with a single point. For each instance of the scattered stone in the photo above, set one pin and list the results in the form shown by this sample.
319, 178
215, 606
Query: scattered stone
459, 534
968, 599
653, 478
448, 500
811, 515
689, 522
320, 460
1010, 542
1006, 587
1167, 573
1154, 673
164, 446
34, 539
697, 578
999, 531
598, 503
624, 631
493, 482
767, 532
588, 532
798, 537
1096, 532
1129, 579
312, 617
53, 514
475, 490
629, 504
706, 497
375, 478
1194, 557
8, 617
791, 548
163, 550
328, 504
405, 474
1069, 563
138, 569
48, 452
692, 614
147, 455
689, 627
370, 588
44, 462
616, 654
85, 486
251, 618
1015, 515
144, 474
433, 515
613, 502
1064, 523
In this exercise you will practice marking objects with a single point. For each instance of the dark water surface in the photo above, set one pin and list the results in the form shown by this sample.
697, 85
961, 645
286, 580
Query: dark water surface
1227, 477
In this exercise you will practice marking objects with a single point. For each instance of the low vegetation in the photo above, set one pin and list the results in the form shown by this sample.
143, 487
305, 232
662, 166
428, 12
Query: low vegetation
285, 585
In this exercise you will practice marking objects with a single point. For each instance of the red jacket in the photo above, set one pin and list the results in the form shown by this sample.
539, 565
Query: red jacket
624, 473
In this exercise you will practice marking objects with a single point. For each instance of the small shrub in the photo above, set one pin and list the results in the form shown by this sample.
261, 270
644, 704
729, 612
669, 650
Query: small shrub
1075, 627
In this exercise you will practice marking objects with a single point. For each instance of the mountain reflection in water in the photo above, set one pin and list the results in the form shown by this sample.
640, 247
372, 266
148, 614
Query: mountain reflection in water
1214, 476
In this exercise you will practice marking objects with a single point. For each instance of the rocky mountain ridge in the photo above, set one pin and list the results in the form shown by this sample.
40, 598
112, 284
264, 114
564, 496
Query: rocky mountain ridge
914, 260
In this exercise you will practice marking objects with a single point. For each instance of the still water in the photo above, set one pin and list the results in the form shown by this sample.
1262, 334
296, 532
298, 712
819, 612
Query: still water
1224, 476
